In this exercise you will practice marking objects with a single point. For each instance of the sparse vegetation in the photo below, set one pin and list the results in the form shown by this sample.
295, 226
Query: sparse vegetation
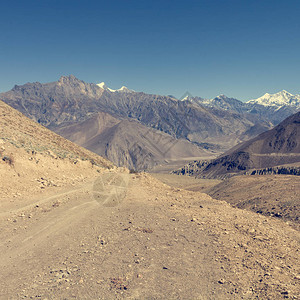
145, 230
93, 162
9, 160
118, 283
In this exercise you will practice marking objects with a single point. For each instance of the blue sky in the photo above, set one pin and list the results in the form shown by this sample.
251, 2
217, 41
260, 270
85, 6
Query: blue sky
239, 48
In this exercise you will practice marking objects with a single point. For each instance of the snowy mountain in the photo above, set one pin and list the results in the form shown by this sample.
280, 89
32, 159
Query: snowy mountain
123, 89
279, 99
222, 102
273, 108
276, 101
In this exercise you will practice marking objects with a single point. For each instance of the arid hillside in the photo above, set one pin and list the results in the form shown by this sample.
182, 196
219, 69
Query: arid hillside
129, 143
33, 158
279, 146
276, 195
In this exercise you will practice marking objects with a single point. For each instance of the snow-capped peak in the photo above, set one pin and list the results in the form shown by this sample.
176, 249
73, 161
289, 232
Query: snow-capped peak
222, 96
278, 99
105, 87
123, 89
187, 97
102, 85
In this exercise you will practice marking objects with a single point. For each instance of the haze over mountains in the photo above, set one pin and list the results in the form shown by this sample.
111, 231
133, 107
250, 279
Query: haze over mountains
209, 127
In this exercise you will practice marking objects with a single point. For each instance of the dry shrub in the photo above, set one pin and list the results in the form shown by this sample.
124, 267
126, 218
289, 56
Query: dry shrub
56, 204
145, 230
118, 283
9, 160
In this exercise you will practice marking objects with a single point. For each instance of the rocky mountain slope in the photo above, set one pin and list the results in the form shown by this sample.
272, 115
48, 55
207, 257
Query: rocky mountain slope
278, 146
32, 158
71, 100
128, 142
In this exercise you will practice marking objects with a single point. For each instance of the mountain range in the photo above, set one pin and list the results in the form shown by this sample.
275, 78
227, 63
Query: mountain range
272, 107
279, 99
209, 127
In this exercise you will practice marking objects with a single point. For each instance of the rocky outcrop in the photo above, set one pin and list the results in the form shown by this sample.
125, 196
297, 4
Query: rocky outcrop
275, 171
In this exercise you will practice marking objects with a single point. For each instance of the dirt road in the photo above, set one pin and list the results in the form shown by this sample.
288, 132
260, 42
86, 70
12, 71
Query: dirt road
131, 236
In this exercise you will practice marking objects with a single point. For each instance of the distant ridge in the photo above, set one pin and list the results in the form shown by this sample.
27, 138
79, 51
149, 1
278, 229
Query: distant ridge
276, 147
128, 142
278, 99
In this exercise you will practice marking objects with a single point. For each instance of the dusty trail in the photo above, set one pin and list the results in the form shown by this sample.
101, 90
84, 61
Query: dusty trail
145, 240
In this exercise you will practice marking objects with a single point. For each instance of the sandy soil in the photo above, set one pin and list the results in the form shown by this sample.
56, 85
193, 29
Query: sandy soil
147, 241
187, 182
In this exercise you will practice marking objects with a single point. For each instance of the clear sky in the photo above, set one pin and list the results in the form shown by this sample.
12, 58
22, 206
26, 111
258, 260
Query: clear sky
239, 48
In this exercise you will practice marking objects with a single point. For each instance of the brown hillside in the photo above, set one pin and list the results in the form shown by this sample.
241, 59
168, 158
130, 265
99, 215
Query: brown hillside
276, 195
278, 146
33, 158
129, 143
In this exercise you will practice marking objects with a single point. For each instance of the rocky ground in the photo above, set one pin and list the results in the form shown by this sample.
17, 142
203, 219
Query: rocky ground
277, 196
129, 236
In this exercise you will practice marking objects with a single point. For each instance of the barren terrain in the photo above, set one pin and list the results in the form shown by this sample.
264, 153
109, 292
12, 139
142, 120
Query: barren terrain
33, 158
271, 195
73, 226
152, 241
